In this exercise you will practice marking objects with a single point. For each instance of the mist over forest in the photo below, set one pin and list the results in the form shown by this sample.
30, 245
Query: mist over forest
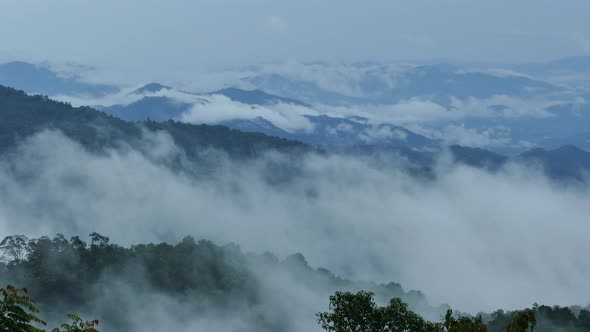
295, 167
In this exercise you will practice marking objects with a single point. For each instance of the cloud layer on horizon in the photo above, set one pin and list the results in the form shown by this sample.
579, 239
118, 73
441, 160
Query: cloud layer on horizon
177, 40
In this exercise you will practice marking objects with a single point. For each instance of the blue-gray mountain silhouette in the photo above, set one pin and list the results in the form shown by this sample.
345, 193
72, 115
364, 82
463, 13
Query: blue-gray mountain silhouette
39, 79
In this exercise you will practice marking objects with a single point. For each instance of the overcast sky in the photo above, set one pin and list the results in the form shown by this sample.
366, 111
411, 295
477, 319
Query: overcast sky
195, 35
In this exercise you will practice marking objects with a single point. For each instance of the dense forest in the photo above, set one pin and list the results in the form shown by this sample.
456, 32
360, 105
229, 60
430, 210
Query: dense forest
72, 276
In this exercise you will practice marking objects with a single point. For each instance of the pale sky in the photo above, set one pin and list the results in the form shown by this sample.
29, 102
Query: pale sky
131, 37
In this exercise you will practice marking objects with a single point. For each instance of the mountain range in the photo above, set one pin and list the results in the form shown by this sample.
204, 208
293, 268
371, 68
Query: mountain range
42, 79
507, 109
24, 115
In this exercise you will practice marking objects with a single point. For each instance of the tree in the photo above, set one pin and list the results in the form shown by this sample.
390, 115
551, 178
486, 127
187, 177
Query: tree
98, 240
584, 319
351, 313
398, 318
523, 321
78, 325
18, 311
463, 323
18, 314
14, 248
358, 313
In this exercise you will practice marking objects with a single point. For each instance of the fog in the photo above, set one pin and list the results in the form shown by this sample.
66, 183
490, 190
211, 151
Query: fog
473, 239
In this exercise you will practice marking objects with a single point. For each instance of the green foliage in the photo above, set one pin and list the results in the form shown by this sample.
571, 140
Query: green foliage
66, 271
584, 320
358, 312
78, 325
464, 323
540, 319
64, 274
522, 321
18, 311
351, 313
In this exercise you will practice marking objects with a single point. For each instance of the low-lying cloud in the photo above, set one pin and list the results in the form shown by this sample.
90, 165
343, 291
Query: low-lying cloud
480, 122
218, 108
470, 238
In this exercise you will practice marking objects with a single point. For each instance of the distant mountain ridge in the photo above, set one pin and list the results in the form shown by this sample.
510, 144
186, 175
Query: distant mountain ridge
254, 97
24, 115
327, 130
150, 88
156, 108
384, 86
503, 107
39, 79
331, 132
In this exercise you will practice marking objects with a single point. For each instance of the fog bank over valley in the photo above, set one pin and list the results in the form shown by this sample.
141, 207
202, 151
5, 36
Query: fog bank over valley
457, 237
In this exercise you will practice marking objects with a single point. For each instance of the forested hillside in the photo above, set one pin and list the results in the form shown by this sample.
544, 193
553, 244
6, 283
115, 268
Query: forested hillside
23, 115
103, 279
70, 275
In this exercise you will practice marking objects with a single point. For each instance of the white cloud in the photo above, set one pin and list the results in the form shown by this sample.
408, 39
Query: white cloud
340, 128
422, 111
342, 78
474, 239
403, 113
382, 133
218, 108
459, 134
422, 116
511, 107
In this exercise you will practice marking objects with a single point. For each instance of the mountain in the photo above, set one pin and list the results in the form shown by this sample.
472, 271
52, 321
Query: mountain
477, 157
513, 127
337, 133
581, 140
564, 162
150, 88
308, 91
561, 124
357, 136
574, 64
156, 108
508, 107
384, 84
162, 107
326, 131
440, 82
39, 79
254, 97
24, 115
